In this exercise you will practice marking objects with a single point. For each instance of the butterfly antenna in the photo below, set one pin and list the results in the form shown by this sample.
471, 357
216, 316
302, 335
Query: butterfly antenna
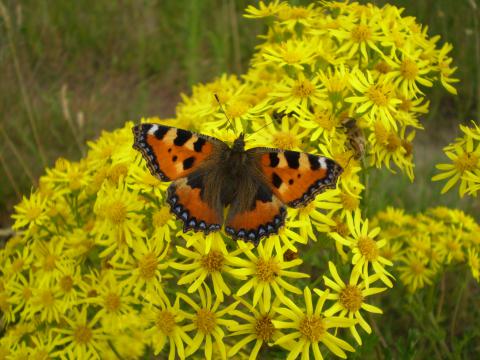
224, 112
264, 126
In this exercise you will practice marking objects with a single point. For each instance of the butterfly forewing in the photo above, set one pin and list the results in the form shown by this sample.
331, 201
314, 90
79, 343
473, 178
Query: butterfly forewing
172, 153
296, 177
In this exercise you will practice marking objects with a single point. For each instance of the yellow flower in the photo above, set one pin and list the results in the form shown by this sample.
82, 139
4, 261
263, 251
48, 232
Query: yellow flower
272, 8
317, 215
296, 95
80, 337
142, 271
211, 263
163, 223
408, 72
259, 328
359, 36
115, 301
365, 249
49, 259
167, 326
267, 272
207, 321
465, 157
294, 53
443, 63
414, 272
350, 299
474, 263
31, 212
43, 345
119, 220
310, 328
287, 137
376, 99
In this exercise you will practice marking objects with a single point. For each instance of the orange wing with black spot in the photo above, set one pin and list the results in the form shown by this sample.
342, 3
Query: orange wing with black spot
295, 177
176, 155
265, 216
186, 202
172, 153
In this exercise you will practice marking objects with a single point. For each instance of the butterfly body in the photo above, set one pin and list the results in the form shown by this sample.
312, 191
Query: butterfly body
254, 185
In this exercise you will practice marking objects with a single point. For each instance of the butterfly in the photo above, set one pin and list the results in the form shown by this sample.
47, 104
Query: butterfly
208, 176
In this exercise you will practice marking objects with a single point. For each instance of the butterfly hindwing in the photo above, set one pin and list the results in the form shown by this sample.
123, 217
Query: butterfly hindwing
296, 177
172, 153
263, 218
186, 202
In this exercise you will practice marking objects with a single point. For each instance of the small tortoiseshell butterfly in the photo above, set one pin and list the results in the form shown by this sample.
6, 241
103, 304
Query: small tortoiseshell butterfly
207, 175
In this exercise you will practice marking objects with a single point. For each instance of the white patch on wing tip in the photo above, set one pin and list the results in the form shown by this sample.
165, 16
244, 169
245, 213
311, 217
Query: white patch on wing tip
152, 130
323, 163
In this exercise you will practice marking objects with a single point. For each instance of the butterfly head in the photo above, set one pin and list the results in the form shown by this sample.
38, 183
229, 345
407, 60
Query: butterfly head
239, 143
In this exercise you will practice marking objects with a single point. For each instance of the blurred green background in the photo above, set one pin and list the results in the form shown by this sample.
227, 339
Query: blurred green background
70, 69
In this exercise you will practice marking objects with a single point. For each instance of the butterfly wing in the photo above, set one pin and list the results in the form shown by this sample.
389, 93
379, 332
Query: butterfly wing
265, 215
185, 197
182, 156
296, 177
173, 153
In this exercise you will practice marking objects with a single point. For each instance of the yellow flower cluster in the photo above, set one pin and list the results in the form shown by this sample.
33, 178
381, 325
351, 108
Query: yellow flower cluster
101, 269
465, 167
422, 246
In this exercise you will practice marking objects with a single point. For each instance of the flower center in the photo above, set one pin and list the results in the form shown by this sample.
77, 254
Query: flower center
368, 248
405, 105
112, 302
161, 216
117, 212
74, 182
17, 265
213, 261
291, 57
82, 334
340, 227
382, 67
351, 298
267, 270
303, 89
376, 94
312, 328
205, 321
284, 140
417, 267
49, 262
349, 202
466, 162
66, 283
264, 328
325, 119
46, 298
147, 266
361, 33
27, 294
393, 142
33, 213
409, 69
165, 322
116, 172
237, 109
